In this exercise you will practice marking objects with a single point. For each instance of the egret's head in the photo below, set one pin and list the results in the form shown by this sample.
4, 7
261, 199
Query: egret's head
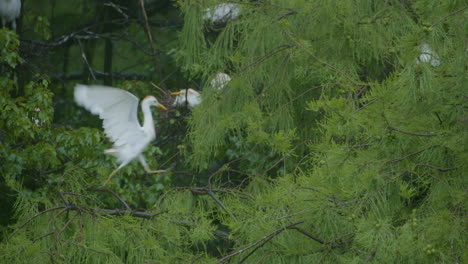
151, 100
189, 92
185, 96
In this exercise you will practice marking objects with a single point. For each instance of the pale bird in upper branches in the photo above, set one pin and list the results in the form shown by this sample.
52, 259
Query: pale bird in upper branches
10, 11
222, 13
220, 80
118, 110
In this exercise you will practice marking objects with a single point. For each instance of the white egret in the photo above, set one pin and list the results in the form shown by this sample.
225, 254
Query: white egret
220, 80
10, 11
428, 56
193, 98
118, 109
222, 13
189, 96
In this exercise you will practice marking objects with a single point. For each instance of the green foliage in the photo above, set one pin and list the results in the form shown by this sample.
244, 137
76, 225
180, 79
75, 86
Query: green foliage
9, 44
335, 142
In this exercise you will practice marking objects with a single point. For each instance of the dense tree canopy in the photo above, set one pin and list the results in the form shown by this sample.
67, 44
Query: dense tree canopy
340, 138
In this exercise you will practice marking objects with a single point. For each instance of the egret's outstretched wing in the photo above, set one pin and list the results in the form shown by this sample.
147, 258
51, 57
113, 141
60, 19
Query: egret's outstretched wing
118, 109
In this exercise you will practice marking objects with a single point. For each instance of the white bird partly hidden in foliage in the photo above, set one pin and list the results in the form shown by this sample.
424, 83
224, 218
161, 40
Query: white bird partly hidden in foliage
187, 96
220, 80
222, 13
118, 109
10, 11
428, 56
192, 98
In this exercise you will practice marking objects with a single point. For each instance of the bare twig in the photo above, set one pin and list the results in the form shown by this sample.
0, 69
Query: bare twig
322, 61
101, 75
118, 8
103, 189
150, 38
76, 194
431, 134
302, 231
266, 56
413, 134
86, 61
38, 214
451, 14
217, 200
411, 154
57, 235
435, 167
44, 235
85, 247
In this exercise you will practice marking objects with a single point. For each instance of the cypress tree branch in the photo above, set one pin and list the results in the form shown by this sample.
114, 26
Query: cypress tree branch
41, 237
451, 14
302, 231
85, 59
322, 61
103, 75
36, 215
410, 133
406, 132
265, 238
212, 195
435, 167
268, 55
85, 247
411, 154
103, 189
75, 194
157, 66
65, 226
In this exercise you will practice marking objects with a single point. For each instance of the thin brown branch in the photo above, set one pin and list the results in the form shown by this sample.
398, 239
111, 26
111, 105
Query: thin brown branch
57, 235
431, 134
41, 237
85, 247
101, 75
218, 201
264, 57
85, 59
75, 194
302, 231
217, 232
267, 238
38, 214
103, 189
411, 154
322, 61
150, 38
435, 167
413, 134
449, 15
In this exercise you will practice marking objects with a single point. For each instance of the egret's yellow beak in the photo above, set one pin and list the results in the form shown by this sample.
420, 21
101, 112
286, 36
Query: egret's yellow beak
162, 106
175, 93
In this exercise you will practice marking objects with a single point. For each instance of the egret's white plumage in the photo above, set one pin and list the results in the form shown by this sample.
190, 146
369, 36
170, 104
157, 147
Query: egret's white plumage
193, 98
428, 56
187, 96
118, 109
220, 80
10, 11
222, 13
